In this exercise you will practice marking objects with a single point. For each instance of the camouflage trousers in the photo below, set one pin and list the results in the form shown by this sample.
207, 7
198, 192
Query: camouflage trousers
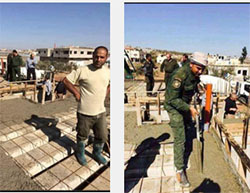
184, 132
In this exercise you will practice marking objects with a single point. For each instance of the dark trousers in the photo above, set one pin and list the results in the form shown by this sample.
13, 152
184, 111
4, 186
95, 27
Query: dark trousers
97, 123
150, 81
9, 73
15, 71
31, 71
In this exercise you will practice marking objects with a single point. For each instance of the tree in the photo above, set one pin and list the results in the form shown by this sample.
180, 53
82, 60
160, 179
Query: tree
244, 55
223, 72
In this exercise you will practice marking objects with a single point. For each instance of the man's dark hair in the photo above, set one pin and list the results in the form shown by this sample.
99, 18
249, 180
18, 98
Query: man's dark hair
101, 47
186, 56
14, 51
148, 55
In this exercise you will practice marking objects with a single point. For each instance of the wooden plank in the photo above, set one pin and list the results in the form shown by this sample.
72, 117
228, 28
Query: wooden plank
138, 112
43, 95
243, 157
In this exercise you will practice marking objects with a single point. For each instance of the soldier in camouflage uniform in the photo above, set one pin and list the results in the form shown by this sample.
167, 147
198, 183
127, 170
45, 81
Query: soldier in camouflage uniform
168, 65
180, 89
149, 67
185, 60
15, 62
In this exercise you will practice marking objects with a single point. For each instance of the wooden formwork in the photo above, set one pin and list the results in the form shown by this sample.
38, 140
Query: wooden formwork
25, 89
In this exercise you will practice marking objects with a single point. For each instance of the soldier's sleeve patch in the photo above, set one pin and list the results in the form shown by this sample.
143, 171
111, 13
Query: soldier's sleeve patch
176, 83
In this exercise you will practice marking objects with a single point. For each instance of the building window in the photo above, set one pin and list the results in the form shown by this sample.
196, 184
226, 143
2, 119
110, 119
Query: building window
70, 52
44, 52
56, 52
89, 53
75, 52
239, 71
244, 72
66, 52
82, 52
39, 52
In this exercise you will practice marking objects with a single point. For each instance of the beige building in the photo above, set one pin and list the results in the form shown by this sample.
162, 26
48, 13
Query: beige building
71, 55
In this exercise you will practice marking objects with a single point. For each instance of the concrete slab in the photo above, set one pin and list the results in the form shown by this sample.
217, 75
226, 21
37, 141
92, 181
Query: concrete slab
71, 164
47, 180
20, 140
101, 183
48, 148
60, 186
168, 184
73, 181
151, 185
90, 187
60, 171
37, 153
84, 172
46, 161
16, 127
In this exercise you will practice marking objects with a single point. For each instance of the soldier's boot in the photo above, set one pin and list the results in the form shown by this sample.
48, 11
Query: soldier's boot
97, 150
182, 178
80, 153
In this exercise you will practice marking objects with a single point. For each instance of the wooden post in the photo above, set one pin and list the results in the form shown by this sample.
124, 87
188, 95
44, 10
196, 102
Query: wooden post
35, 97
43, 95
25, 89
11, 88
228, 147
53, 90
241, 169
245, 133
138, 112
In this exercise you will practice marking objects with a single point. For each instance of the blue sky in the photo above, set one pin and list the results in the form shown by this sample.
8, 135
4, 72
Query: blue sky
39, 25
210, 28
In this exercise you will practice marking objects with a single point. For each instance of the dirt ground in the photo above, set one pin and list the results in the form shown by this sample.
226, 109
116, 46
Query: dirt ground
216, 177
16, 111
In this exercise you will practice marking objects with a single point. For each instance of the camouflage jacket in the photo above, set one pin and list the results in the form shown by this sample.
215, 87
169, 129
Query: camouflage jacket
180, 89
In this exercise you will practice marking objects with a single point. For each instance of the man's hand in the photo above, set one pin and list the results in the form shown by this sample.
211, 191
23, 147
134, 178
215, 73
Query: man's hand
77, 96
193, 111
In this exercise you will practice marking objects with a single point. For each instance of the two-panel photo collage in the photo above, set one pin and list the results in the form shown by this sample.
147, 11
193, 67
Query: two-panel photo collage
169, 114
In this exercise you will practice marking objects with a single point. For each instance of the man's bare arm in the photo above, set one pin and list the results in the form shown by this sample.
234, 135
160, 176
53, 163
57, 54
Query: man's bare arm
69, 86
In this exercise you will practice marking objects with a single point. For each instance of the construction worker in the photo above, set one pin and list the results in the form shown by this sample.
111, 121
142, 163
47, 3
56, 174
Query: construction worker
149, 67
181, 87
93, 83
16, 62
168, 65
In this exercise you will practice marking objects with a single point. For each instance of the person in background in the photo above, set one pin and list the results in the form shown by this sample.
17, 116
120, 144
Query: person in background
149, 67
168, 66
60, 90
31, 67
9, 68
15, 62
48, 89
230, 105
185, 60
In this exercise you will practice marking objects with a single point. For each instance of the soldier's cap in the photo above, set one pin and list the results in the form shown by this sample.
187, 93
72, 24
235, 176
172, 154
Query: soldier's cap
199, 58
